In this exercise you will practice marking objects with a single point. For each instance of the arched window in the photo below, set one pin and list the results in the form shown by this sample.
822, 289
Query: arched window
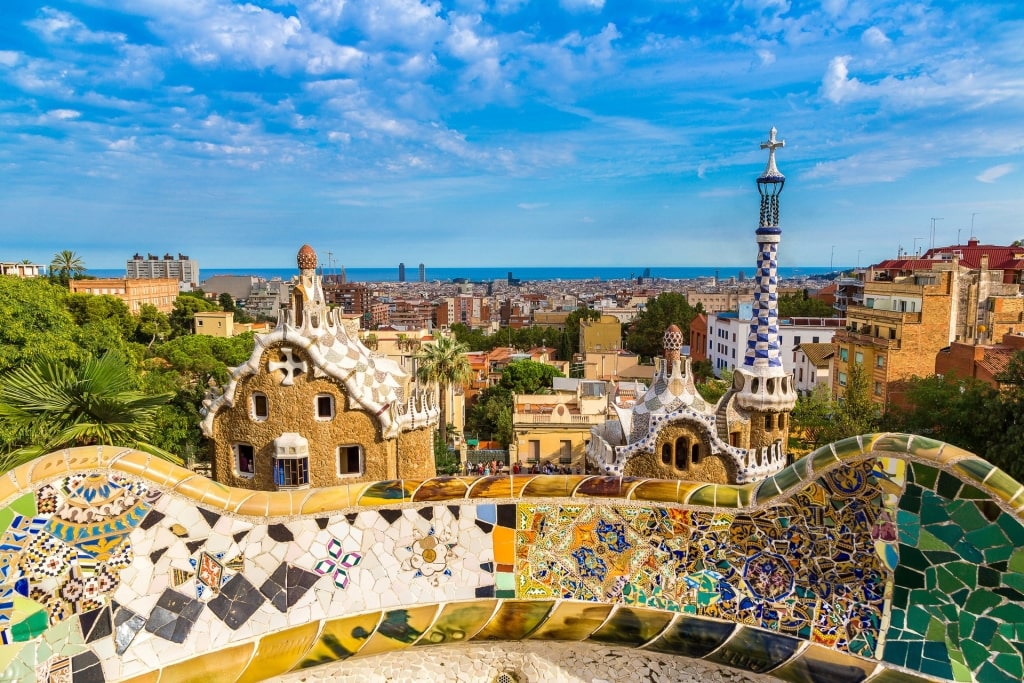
695, 453
666, 453
259, 407
768, 421
682, 449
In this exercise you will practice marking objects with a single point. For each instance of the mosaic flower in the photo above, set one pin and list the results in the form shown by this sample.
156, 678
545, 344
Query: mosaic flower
590, 565
429, 556
337, 564
613, 536
768, 576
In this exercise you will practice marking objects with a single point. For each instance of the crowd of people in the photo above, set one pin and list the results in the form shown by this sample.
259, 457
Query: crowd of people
485, 469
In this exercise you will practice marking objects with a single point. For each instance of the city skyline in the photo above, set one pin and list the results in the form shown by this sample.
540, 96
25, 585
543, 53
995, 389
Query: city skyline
506, 134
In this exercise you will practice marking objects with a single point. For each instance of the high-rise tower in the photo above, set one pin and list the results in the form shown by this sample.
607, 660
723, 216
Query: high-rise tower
401, 272
762, 387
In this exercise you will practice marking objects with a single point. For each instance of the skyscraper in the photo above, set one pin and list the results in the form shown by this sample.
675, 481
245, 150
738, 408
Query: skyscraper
423, 273
401, 272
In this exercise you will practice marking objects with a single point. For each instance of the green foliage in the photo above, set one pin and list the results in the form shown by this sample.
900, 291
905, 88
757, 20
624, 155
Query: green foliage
522, 339
528, 377
572, 327
822, 420
443, 362
647, 332
52, 406
446, 461
491, 415
185, 308
226, 301
36, 324
199, 357
105, 323
712, 389
153, 324
66, 265
802, 306
812, 415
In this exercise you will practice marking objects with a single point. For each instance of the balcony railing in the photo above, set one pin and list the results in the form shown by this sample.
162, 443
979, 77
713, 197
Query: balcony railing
549, 419
862, 312
863, 338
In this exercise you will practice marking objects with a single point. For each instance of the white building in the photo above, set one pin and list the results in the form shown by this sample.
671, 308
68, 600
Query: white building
22, 269
812, 366
727, 336
152, 267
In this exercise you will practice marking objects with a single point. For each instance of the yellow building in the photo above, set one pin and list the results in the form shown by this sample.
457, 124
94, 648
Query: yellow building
554, 429
896, 333
159, 292
215, 323
603, 334
313, 407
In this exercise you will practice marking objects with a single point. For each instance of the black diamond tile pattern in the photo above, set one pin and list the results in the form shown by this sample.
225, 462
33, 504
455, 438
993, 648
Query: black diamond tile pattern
126, 624
174, 616
286, 585
237, 601
96, 624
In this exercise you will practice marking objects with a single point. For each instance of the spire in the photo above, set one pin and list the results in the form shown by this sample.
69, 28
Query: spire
762, 382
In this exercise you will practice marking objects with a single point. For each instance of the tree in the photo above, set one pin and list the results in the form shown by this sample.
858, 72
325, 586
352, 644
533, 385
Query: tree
443, 362
227, 302
855, 413
812, 414
66, 265
105, 323
646, 334
802, 306
491, 414
960, 412
152, 324
36, 323
528, 377
53, 405
185, 308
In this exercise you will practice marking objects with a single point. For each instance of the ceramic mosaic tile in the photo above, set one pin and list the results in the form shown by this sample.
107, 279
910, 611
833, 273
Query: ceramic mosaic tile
854, 564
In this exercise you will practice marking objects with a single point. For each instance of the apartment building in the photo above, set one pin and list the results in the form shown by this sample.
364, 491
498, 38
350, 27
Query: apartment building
22, 270
152, 267
554, 429
160, 292
603, 334
812, 365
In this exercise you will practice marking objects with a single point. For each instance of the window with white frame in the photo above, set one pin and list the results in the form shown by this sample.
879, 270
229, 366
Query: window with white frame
324, 407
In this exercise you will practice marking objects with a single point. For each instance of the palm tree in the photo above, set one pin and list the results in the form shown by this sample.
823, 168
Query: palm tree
52, 406
444, 362
66, 265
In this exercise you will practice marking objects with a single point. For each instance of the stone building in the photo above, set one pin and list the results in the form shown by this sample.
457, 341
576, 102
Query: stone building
673, 433
161, 292
314, 407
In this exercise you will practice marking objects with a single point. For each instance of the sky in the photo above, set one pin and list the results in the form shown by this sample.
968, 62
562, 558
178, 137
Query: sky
506, 132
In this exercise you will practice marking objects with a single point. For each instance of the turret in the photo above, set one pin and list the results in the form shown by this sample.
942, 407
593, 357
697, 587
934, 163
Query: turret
762, 386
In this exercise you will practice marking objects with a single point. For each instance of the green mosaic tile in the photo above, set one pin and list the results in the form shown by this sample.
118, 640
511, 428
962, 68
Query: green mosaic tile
948, 486
1000, 644
988, 577
974, 653
948, 534
984, 629
933, 509
918, 619
909, 526
940, 557
973, 493
937, 630
988, 537
822, 458
727, 497
1004, 486
890, 676
1010, 664
981, 601
692, 637
894, 443
1016, 559
1014, 529
787, 478
967, 515
909, 578
966, 622
989, 673
969, 552
924, 475
705, 495
913, 558
989, 509
967, 573
911, 499
947, 581
847, 448
998, 554
923, 447
974, 468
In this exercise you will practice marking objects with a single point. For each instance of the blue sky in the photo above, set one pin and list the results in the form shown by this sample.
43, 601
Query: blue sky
505, 132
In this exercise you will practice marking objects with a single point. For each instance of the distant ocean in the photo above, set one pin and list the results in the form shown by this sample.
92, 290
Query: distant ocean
531, 274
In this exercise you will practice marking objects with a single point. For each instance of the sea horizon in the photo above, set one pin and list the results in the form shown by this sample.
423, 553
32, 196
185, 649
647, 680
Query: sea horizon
490, 274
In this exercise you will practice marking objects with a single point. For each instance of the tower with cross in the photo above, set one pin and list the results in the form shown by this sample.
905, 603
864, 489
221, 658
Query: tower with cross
763, 390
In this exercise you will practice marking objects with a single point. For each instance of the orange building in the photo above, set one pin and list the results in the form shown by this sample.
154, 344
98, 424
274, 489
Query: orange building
158, 292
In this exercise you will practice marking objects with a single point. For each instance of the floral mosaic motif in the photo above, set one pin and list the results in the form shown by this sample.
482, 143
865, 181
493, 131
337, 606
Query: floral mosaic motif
337, 564
768, 576
429, 556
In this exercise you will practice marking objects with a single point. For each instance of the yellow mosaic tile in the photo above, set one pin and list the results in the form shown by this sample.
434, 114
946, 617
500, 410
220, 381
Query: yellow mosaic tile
663, 491
278, 652
632, 626
193, 486
284, 503
386, 493
515, 619
686, 489
226, 664
441, 488
255, 504
48, 467
132, 462
887, 443
163, 473
816, 663
150, 677
8, 489
399, 629
951, 453
923, 447
703, 495
340, 639
551, 486
217, 496
1004, 486
727, 496
458, 622
325, 500
499, 486
822, 458
572, 621
88, 457
848, 448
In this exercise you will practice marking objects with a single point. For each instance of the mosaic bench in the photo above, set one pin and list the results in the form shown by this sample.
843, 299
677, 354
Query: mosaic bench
887, 558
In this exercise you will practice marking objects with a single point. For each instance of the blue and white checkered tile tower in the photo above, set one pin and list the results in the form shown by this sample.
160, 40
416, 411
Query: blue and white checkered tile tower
763, 358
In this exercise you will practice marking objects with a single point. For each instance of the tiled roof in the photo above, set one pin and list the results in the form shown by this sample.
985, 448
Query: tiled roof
996, 360
818, 354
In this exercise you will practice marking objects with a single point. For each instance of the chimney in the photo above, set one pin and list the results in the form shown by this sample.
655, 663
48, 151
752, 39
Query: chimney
984, 261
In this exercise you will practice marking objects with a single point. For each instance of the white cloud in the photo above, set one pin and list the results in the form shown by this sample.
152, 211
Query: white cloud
875, 38
531, 206
990, 175
63, 114
837, 86
582, 5
55, 26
